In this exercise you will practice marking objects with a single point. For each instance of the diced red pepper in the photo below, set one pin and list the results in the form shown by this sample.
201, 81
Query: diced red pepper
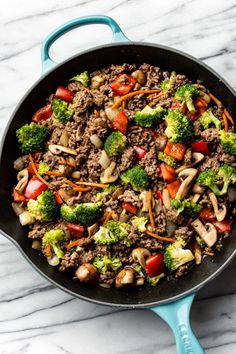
200, 106
76, 230
58, 198
159, 196
34, 188
18, 197
64, 94
43, 113
123, 84
181, 106
132, 209
173, 188
223, 226
201, 146
30, 168
176, 151
168, 172
155, 265
140, 152
206, 214
120, 122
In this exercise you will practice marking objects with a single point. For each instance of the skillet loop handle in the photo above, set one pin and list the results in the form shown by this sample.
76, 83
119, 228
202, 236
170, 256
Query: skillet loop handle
117, 35
176, 315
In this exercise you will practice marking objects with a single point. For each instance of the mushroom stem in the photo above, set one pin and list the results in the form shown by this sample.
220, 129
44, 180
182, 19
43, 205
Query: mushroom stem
189, 175
208, 232
220, 214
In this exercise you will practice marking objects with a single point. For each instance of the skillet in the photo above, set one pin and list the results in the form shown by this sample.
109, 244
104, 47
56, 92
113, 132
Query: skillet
171, 300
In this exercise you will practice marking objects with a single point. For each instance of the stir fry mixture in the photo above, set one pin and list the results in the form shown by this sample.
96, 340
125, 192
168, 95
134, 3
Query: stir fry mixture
127, 176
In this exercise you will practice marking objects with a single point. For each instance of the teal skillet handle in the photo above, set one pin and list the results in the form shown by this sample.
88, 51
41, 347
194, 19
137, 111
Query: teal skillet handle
117, 34
176, 315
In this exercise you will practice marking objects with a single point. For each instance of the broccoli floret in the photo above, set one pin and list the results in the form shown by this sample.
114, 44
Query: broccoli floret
187, 207
149, 117
179, 127
68, 213
167, 85
200, 242
207, 119
209, 179
88, 213
31, 137
43, 167
83, 78
153, 281
103, 264
115, 144
139, 222
104, 237
114, 231
61, 110
175, 255
185, 94
228, 141
167, 159
44, 208
137, 177
106, 191
54, 238
228, 174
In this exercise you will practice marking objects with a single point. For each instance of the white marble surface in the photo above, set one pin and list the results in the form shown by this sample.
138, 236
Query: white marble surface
34, 316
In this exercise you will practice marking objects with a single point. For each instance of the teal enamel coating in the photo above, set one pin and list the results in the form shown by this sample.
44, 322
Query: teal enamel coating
117, 35
176, 314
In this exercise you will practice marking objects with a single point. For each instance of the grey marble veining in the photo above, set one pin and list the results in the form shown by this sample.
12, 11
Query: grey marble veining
35, 317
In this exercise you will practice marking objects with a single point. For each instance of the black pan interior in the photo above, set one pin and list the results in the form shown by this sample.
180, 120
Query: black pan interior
100, 57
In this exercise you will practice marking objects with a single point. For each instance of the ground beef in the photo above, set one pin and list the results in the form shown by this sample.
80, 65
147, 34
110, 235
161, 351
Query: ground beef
69, 260
151, 244
184, 232
139, 136
150, 163
178, 81
93, 170
184, 269
224, 157
188, 157
107, 278
82, 101
164, 100
129, 196
99, 98
210, 135
97, 125
127, 160
153, 74
210, 163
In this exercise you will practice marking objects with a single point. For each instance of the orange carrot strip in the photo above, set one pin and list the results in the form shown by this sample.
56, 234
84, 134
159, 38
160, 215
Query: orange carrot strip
226, 124
215, 99
123, 105
72, 244
131, 94
77, 188
91, 184
108, 217
35, 170
149, 202
211, 254
48, 250
161, 238
53, 173
226, 112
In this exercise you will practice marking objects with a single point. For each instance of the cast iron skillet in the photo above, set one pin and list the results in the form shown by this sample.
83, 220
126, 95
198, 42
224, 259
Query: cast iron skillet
171, 299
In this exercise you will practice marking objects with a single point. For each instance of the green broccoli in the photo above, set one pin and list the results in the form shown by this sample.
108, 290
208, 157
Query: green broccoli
43, 167
167, 85
137, 177
175, 255
228, 174
149, 117
68, 213
228, 141
104, 237
200, 241
54, 238
61, 110
83, 78
185, 94
167, 159
104, 264
44, 208
179, 127
106, 191
115, 144
153, 281
31, 137
209, 179
187, 207
112, 232
88, 213
139, 222
207, 119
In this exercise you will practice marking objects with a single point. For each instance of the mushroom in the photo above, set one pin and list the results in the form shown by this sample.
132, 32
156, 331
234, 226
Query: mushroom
139, 255
198, 189
96, 82
144, 198
117, 192
196, 156
107, 176
197, 252
139, 76
57, 149
64, 138
19, 163
22, 177
220, 214
76, 174
166, 198
208, 232
87, 273
189, 174
17, 208
124, 217
196, 197
125, 277
92, 229
66, 194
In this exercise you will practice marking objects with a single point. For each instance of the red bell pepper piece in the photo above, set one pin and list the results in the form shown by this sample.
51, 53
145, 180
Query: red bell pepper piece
123, 84
200, 106
43, 113
30, 168
173, 188
155, 265
34, 188
176, 151
58, 198
76, 230
181, 106
167, 172
64, 94
132, 209
223, 226
120, 122
159, 196
18, 197
206, 214
201, 146
140, 152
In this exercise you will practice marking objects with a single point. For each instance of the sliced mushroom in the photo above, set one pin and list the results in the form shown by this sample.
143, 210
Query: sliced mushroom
166, 198
197, 157
107, 176
220, 214
125, 277
196, 197
17, 208
139, 255
188, 175
140, 76
144, 198
208, 232
22, 177
64, 138
92, 229
57, 149
87, 273
117, 192
66, 194
19, 163
197, 252
198, 189
96, 82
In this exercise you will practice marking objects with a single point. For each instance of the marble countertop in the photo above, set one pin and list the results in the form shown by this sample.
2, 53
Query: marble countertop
35, 317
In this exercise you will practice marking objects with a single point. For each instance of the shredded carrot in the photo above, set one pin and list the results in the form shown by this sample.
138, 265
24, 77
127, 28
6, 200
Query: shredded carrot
48, 250
72, 244
53, 173
96, 185
211, 254
203, 101
226, 112
123, 105
149, 202
108, 217
226, 124
35, 170
131, 94
75, 187
161, 238
215, 99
